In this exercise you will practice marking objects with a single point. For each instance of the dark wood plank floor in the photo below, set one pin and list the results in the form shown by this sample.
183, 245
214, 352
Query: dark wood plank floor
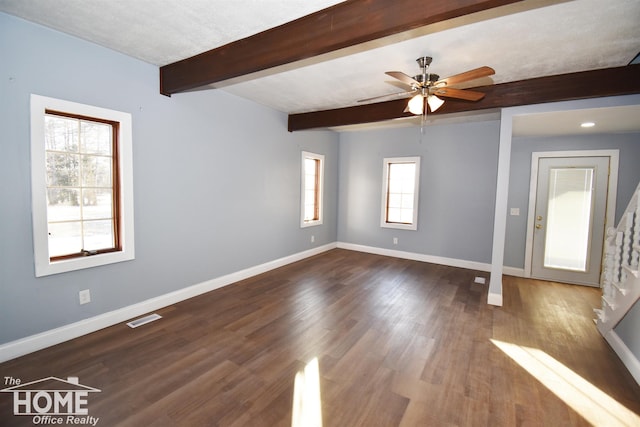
399, 343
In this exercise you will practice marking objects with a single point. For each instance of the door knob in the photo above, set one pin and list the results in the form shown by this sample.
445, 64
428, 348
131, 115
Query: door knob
539, 218
538, 226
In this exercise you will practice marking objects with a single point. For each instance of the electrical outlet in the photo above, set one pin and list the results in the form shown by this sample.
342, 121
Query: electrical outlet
395, 240
84, 296
313, 238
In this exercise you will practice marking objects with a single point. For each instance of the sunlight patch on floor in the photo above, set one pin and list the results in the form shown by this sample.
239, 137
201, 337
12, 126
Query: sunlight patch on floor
590, 402
307, 402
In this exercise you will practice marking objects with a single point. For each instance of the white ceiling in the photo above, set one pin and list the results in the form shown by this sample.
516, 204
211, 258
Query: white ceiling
530, 39
605, 120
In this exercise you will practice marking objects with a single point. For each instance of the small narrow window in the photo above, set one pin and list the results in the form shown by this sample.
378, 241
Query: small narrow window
400, 193
82, 186
311, 188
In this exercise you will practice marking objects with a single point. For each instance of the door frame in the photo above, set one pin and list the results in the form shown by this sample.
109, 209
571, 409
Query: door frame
612, 192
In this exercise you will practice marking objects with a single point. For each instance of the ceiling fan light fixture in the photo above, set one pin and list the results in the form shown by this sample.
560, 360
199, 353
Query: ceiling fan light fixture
434, 102
416, 105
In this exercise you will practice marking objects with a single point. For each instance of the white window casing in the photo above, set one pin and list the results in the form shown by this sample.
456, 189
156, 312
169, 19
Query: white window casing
311, 189
399, 207
43, 264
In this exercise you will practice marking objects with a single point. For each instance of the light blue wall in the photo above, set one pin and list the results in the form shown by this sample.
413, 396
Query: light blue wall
519, 181
457, 189
213, 175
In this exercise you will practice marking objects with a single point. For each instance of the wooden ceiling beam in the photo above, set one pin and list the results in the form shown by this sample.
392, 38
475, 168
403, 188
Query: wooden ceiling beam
563, 87
343, 25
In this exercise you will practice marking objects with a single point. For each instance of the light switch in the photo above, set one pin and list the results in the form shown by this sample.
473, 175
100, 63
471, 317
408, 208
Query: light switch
515, 211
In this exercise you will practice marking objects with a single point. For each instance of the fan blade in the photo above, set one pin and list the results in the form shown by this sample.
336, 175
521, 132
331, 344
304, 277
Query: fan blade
449, 92
403, 78
400, 95
466, 76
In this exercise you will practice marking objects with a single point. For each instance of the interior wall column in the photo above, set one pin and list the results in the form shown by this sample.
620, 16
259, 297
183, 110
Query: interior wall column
500, 214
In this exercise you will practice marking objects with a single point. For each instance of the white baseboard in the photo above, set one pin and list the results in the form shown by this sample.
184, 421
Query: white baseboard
513, 271
452, 262
55, 336
628, 358
494, 299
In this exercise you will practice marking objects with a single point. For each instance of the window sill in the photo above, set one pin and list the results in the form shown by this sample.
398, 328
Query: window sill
62, 266
310, 224
399, 226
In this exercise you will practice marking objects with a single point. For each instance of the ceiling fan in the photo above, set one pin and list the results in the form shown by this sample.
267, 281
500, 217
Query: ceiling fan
425, 86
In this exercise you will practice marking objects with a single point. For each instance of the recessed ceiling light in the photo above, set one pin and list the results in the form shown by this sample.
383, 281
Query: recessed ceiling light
587, 124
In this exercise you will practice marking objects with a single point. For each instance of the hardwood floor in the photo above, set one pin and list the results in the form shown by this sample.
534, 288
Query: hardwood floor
399, 343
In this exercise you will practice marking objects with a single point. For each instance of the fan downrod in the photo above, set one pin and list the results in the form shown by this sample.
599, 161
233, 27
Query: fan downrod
424, 61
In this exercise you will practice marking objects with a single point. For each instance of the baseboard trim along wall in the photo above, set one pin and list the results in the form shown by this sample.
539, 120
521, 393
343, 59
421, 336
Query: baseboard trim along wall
624, 353
32, 343
64, 333
452, 262
513, 271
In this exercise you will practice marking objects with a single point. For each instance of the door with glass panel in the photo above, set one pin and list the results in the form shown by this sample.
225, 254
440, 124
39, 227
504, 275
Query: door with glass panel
571, 204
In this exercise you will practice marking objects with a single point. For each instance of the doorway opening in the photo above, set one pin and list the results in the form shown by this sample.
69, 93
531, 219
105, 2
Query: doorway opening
571, 203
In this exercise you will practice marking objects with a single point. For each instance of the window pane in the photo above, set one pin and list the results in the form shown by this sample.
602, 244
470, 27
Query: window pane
569, 218
63, 204
98, 235
96, 138
65, 238
395, 185
79, 159
408, 185
400, 196
309, 197
96, 171
97, 204
309, 213
63, 170
310, 205
407, 201
61, 133
310, 166
310, 189
395, 200
406, 216
394, 215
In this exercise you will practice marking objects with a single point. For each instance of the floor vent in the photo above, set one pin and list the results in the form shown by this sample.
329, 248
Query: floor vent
144, 320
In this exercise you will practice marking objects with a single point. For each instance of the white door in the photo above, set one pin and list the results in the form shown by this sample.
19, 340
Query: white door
570, 210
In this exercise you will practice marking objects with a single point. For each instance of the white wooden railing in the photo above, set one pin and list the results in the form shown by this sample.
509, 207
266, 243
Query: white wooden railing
620, 280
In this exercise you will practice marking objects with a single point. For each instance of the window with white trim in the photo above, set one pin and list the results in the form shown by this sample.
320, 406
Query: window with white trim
311, 189
401, 178
82, 195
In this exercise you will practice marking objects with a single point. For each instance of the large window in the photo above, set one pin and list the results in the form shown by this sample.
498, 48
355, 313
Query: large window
401, 177
311, 189
81, 185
